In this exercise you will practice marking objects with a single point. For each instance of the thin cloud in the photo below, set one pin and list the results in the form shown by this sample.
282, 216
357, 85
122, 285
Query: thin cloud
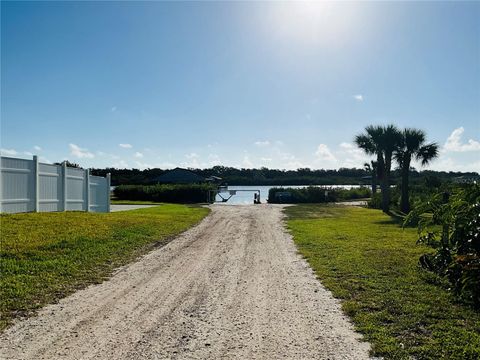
142, 165
346, 146
324, 153
262, 143
350, 155
192, 156
113, 109
246, 162
8, 152
166, 165
125, 146
37, 148
122, 164
138, 155
358, 97
193, 161
454, 142
79, 152
214, 160
450, 164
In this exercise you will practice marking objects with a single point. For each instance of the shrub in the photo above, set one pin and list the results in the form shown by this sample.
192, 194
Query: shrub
315, 194
310, 194
376, 201
171, 193
451, 225
354, 193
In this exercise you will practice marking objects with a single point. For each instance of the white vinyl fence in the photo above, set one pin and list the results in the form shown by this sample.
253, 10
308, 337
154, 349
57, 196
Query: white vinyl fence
27, 185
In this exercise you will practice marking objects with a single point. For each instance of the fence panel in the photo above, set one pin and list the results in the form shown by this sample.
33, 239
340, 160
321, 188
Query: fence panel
99, 191
17, 185
76, 189
27, 185
50, 188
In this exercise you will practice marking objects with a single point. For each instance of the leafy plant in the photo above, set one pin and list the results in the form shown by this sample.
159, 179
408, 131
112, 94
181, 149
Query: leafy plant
171, 193
451, 225
375, 201
316, 194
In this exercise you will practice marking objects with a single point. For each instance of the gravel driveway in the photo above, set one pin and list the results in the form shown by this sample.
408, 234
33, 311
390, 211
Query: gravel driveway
233, 287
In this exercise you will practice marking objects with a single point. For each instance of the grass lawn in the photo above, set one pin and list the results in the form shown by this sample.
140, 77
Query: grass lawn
46, 256
370, 262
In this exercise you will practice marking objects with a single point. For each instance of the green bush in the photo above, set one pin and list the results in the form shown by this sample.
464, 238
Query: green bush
451, 225
375, 201
354, 193
171, 193
315, 194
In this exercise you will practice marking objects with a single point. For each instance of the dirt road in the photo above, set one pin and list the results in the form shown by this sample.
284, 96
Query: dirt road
233, 287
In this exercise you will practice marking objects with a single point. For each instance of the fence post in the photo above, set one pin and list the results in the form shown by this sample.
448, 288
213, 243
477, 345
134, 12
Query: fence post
109, 180
64, 175
87, 190
36, 185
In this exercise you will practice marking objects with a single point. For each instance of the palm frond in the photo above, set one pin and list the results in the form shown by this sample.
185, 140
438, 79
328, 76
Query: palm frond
413, 139
365, 143
427, 153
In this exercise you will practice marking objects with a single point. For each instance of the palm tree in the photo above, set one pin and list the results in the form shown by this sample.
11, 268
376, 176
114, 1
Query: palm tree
412, 146
381, 141
371, 168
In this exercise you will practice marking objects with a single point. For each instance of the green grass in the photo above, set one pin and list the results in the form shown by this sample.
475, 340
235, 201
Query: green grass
366, 259
46, 256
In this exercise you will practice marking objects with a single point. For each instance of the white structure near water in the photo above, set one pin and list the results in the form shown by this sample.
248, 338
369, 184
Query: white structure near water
31, 186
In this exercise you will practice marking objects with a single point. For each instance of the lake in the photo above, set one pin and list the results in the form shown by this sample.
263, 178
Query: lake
246, 197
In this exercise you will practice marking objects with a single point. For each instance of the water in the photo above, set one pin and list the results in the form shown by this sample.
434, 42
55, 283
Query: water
246, 197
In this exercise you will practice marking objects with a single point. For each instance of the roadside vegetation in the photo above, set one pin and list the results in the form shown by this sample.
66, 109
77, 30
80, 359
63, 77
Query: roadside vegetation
46, 256
370, 262
171, 193
450, 224
448, 214
315, 194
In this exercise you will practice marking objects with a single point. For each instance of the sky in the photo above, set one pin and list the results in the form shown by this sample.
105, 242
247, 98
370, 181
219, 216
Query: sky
246, 84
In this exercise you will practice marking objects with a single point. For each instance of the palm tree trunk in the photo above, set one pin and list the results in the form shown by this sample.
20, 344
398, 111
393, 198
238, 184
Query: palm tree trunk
374, 181
386, 185
405, 201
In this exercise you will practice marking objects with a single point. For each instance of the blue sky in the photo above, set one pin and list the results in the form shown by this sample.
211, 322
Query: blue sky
250, 84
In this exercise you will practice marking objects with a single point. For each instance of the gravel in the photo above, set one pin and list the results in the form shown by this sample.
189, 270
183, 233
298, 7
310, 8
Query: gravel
233, 287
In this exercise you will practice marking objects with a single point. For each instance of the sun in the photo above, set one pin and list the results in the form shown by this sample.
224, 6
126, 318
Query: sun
310, 21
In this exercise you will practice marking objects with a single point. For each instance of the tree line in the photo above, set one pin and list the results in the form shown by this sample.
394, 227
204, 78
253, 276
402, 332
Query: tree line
265, 176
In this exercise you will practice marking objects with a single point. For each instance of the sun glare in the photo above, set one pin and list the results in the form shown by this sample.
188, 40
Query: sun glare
311, 22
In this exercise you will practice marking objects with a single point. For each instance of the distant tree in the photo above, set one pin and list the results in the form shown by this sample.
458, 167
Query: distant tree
432, 182
412, 146
381, 141
69, 164
371, 168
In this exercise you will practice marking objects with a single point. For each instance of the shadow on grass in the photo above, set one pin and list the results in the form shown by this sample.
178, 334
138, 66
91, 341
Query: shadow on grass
396, 218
